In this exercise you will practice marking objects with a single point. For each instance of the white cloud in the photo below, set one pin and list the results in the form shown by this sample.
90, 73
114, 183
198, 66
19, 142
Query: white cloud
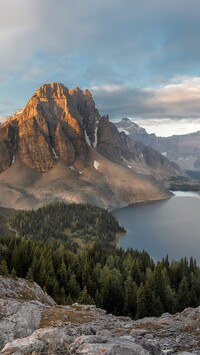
108, 88
178, 98
169, 127
119, 48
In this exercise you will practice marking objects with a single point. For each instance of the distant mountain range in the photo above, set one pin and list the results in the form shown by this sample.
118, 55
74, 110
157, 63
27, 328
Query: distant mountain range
59, 147
184, 150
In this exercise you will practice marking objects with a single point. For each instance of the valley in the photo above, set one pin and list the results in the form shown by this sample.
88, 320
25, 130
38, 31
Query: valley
99, 177
62, 167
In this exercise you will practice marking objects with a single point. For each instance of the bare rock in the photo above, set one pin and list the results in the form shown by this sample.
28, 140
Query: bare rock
18, 319
23, 290
50, 127
109, 143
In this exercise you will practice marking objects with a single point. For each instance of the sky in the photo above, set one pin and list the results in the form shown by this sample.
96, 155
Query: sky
139, 58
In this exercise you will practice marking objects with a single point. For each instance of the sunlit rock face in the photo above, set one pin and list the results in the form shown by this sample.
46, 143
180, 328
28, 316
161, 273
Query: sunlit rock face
52, 126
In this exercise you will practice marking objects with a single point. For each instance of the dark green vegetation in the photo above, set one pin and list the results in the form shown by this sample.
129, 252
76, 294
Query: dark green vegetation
75, 224
180, 183
124, 283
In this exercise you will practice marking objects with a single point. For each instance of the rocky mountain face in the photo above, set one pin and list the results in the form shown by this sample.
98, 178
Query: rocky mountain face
52, 126
116, 146
32, 324
184, 150
60, 136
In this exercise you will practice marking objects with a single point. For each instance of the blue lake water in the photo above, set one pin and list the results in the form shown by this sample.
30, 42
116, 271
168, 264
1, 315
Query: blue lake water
165, 227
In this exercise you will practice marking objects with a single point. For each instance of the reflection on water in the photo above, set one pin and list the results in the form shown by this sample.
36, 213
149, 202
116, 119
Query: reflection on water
165, 227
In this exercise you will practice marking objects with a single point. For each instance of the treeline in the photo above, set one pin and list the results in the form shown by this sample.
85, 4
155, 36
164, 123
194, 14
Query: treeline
75, 224
124, 283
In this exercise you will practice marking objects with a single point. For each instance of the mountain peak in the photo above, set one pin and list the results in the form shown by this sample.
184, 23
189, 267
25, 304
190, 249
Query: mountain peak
50, 128
53, 87
88, 93
125, 120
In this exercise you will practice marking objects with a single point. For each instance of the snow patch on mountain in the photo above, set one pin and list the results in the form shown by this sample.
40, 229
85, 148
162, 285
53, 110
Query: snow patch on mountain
54, 153
121, 129
87, 138
96, 165
95, 137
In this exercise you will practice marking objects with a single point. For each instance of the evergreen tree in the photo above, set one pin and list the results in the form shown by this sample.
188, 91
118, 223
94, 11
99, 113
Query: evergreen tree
160, 285
158, 307
73, 288
4, 268
141, 302
183, 294
130, 297
29, 275
69, 300
98, 299
85, 298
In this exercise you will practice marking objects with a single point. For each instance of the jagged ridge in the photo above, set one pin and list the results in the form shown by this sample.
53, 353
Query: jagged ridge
51, 126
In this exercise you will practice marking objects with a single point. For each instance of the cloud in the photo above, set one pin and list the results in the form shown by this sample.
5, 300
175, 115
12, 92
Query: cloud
132, 40
178, 99
128, 49
169, 127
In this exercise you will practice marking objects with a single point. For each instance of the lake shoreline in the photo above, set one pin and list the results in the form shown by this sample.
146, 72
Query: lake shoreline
142, 202
163, 227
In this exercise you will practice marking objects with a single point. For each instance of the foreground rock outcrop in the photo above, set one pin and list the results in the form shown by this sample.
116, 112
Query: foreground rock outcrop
31, 323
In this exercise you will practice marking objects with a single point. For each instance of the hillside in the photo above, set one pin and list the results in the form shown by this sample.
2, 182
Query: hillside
58, 147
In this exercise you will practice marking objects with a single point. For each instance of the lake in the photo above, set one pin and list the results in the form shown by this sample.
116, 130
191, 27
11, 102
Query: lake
164, 227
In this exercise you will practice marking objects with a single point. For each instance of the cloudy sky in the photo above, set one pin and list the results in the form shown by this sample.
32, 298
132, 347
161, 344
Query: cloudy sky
140, 58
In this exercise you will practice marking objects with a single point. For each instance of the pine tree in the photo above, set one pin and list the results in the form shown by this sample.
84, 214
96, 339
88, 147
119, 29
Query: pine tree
85, 298
62, 296
183, 294
62, 276
4, 268
13, 273
73, 287
117, 295
158, 307
69, 300
160, 285
130, 297
141, 302
29, 275
98, 299
105, 290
